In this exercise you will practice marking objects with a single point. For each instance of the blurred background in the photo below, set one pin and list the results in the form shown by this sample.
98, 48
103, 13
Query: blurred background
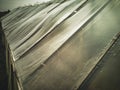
11, 4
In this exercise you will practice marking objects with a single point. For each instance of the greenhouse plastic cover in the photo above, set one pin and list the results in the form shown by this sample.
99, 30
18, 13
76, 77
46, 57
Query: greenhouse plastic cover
55, 46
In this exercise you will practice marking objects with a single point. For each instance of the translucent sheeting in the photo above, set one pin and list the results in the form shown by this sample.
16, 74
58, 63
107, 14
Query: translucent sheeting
47, 27
30, 42
69, 66
12, 26
42, 51
106, 75
38, 25
57, 47
28, 24
15, 27
11, 17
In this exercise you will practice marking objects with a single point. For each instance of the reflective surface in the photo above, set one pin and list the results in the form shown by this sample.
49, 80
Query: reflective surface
58, 47
106, 75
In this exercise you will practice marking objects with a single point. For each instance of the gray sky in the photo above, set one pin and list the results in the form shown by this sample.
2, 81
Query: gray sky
10, 4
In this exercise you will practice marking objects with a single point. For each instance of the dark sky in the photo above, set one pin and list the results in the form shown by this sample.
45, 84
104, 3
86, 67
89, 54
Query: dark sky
11, 4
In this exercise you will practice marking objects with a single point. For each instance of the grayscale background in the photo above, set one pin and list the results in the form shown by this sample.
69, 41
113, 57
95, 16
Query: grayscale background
11, 4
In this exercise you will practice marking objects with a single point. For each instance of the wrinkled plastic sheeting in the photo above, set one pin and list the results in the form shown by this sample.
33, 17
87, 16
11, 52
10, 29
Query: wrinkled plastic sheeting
69, 65
44, 49
61, 53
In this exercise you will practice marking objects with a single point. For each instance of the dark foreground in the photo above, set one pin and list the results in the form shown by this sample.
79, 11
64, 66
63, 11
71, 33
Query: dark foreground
3, 75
